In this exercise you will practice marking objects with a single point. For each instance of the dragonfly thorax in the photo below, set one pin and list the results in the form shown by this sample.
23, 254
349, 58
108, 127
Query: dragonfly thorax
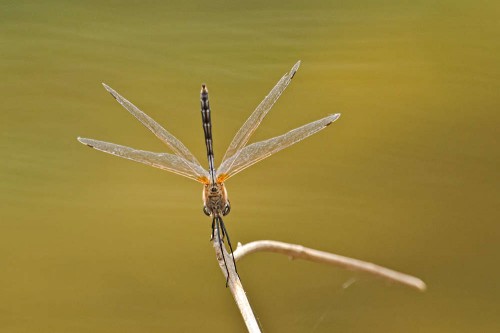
215, 201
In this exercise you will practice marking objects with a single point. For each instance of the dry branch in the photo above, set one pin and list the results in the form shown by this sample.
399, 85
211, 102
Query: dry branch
295, 251
300, 252
235, 286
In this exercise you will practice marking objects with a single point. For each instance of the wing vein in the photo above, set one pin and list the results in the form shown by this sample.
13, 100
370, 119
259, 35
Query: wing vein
252, 123
258, 151
161, 133
165, 161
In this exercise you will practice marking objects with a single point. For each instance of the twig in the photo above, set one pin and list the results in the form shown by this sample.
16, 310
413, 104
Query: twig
295, 251
235, 286
300, 252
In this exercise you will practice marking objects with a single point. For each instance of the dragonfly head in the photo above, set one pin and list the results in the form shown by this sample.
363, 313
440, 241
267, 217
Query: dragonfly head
215, 201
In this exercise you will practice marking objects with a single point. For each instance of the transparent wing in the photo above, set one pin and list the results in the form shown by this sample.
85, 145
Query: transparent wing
245, 132
256, 152
177, 147
169, 162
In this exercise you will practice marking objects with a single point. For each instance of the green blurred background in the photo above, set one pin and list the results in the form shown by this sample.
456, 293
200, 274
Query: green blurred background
406, 178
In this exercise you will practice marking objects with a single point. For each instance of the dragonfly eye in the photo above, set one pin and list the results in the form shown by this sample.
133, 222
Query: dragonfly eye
227, 209
213, 189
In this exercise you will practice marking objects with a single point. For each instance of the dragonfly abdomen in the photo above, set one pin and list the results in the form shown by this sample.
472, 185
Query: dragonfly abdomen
207, 129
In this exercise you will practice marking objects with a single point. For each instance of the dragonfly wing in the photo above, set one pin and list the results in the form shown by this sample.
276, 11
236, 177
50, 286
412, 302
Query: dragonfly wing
177, 146
169, 162
245, 132
258, 151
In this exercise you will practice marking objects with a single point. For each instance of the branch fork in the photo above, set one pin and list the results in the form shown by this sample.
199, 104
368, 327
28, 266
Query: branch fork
295, 251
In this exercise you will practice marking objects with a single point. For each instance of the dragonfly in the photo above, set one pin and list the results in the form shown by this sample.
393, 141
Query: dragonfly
239, 155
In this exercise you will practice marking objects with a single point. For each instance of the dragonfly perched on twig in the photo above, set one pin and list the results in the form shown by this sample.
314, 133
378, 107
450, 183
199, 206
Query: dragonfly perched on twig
238, 156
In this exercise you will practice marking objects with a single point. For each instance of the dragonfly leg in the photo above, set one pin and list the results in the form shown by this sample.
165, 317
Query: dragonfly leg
212, 235
222, 251
224, 231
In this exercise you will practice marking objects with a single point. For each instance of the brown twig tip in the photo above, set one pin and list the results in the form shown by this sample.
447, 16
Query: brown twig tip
295, 251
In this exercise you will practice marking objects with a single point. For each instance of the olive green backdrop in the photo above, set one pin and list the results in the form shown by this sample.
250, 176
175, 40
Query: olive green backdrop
407, 177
